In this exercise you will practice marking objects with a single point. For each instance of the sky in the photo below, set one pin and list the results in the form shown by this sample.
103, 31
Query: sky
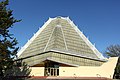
97, 19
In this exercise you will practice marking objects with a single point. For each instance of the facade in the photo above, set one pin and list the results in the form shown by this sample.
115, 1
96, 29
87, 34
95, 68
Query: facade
60, 49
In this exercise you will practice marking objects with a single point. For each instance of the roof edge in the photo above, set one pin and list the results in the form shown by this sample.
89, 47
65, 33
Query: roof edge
67, 53
99, 55
33, 37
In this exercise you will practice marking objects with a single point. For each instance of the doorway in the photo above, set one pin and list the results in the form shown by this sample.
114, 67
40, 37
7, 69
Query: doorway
51, 68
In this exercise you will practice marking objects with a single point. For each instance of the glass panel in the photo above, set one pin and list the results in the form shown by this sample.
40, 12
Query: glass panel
57, 72
52, 72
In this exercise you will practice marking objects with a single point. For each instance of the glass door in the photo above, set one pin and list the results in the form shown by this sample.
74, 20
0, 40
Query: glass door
51, 68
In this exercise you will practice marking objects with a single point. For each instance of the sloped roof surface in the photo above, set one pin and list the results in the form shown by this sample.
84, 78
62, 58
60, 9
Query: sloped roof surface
60, 34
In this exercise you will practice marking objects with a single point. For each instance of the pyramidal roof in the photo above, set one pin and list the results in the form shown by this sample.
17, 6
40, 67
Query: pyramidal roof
60, 34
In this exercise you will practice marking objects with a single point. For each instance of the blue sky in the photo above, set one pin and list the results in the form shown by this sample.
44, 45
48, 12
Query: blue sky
98, 19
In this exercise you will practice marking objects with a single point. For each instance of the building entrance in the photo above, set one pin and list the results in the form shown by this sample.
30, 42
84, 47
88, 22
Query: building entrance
51, 68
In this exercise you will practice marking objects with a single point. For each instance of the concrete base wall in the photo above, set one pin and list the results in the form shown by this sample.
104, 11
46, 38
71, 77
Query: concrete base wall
106, 70
37, 71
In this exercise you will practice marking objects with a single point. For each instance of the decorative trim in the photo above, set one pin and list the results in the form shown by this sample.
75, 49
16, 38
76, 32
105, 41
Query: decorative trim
49, 39
64, 39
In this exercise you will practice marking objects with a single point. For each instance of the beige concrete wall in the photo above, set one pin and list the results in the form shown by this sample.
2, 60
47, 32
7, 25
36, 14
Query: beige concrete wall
109, 67
106, 70
37, 71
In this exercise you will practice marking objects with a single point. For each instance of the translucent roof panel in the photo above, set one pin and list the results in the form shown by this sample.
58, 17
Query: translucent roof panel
60, 33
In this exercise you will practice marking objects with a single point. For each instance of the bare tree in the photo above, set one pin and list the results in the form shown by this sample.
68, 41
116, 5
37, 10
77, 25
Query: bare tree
114, 51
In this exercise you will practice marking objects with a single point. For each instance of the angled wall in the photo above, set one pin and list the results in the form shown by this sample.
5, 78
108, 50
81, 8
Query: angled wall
106, 70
